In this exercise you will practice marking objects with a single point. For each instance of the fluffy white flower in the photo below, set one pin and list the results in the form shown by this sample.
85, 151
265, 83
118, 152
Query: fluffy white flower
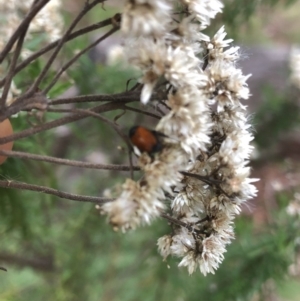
179, 66
188, 121
49, 20
164, 244
140, 202
218, 40
226, 83
136, 205
146, 17
190, 31
215, 48
205, 254
204, 10
205, 131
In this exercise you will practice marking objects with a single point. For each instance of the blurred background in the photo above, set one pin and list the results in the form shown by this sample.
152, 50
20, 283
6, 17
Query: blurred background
55, 249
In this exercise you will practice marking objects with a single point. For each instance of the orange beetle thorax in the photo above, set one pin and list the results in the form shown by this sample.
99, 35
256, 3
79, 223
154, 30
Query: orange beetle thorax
144, 139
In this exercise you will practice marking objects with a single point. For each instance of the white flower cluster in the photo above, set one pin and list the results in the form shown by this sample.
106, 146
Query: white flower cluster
48, 22
295, 67
142, 201
207, 132
204, 10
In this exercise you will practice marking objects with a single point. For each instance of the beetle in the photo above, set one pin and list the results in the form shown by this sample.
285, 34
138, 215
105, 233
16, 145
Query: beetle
146, 140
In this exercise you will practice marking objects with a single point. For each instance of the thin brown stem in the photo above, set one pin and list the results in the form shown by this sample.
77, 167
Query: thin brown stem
104, 119
205, 219
12, 67
174, 220
40, 98
177, 222
137, 86
51, 191
206, 60
165, 105
209, 181
157, 108
204, 179
189, 227
25, 23
76, 57
37, 101
35, 85
118, 131
142, 112
50, 110
52, 45
67, 162
58, 122
135, 96
38, 262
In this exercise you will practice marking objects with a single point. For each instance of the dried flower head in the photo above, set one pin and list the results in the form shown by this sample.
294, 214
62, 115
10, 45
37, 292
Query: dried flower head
146, 17
200, 177
48, 21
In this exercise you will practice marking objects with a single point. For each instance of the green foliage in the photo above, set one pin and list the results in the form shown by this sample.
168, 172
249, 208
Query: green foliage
101, 79
95, 263
13, 212
238, 17
278, 114
35, 42
237, 13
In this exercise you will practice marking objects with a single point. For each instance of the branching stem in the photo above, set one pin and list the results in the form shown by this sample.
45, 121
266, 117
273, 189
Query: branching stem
47, 190
67, 162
